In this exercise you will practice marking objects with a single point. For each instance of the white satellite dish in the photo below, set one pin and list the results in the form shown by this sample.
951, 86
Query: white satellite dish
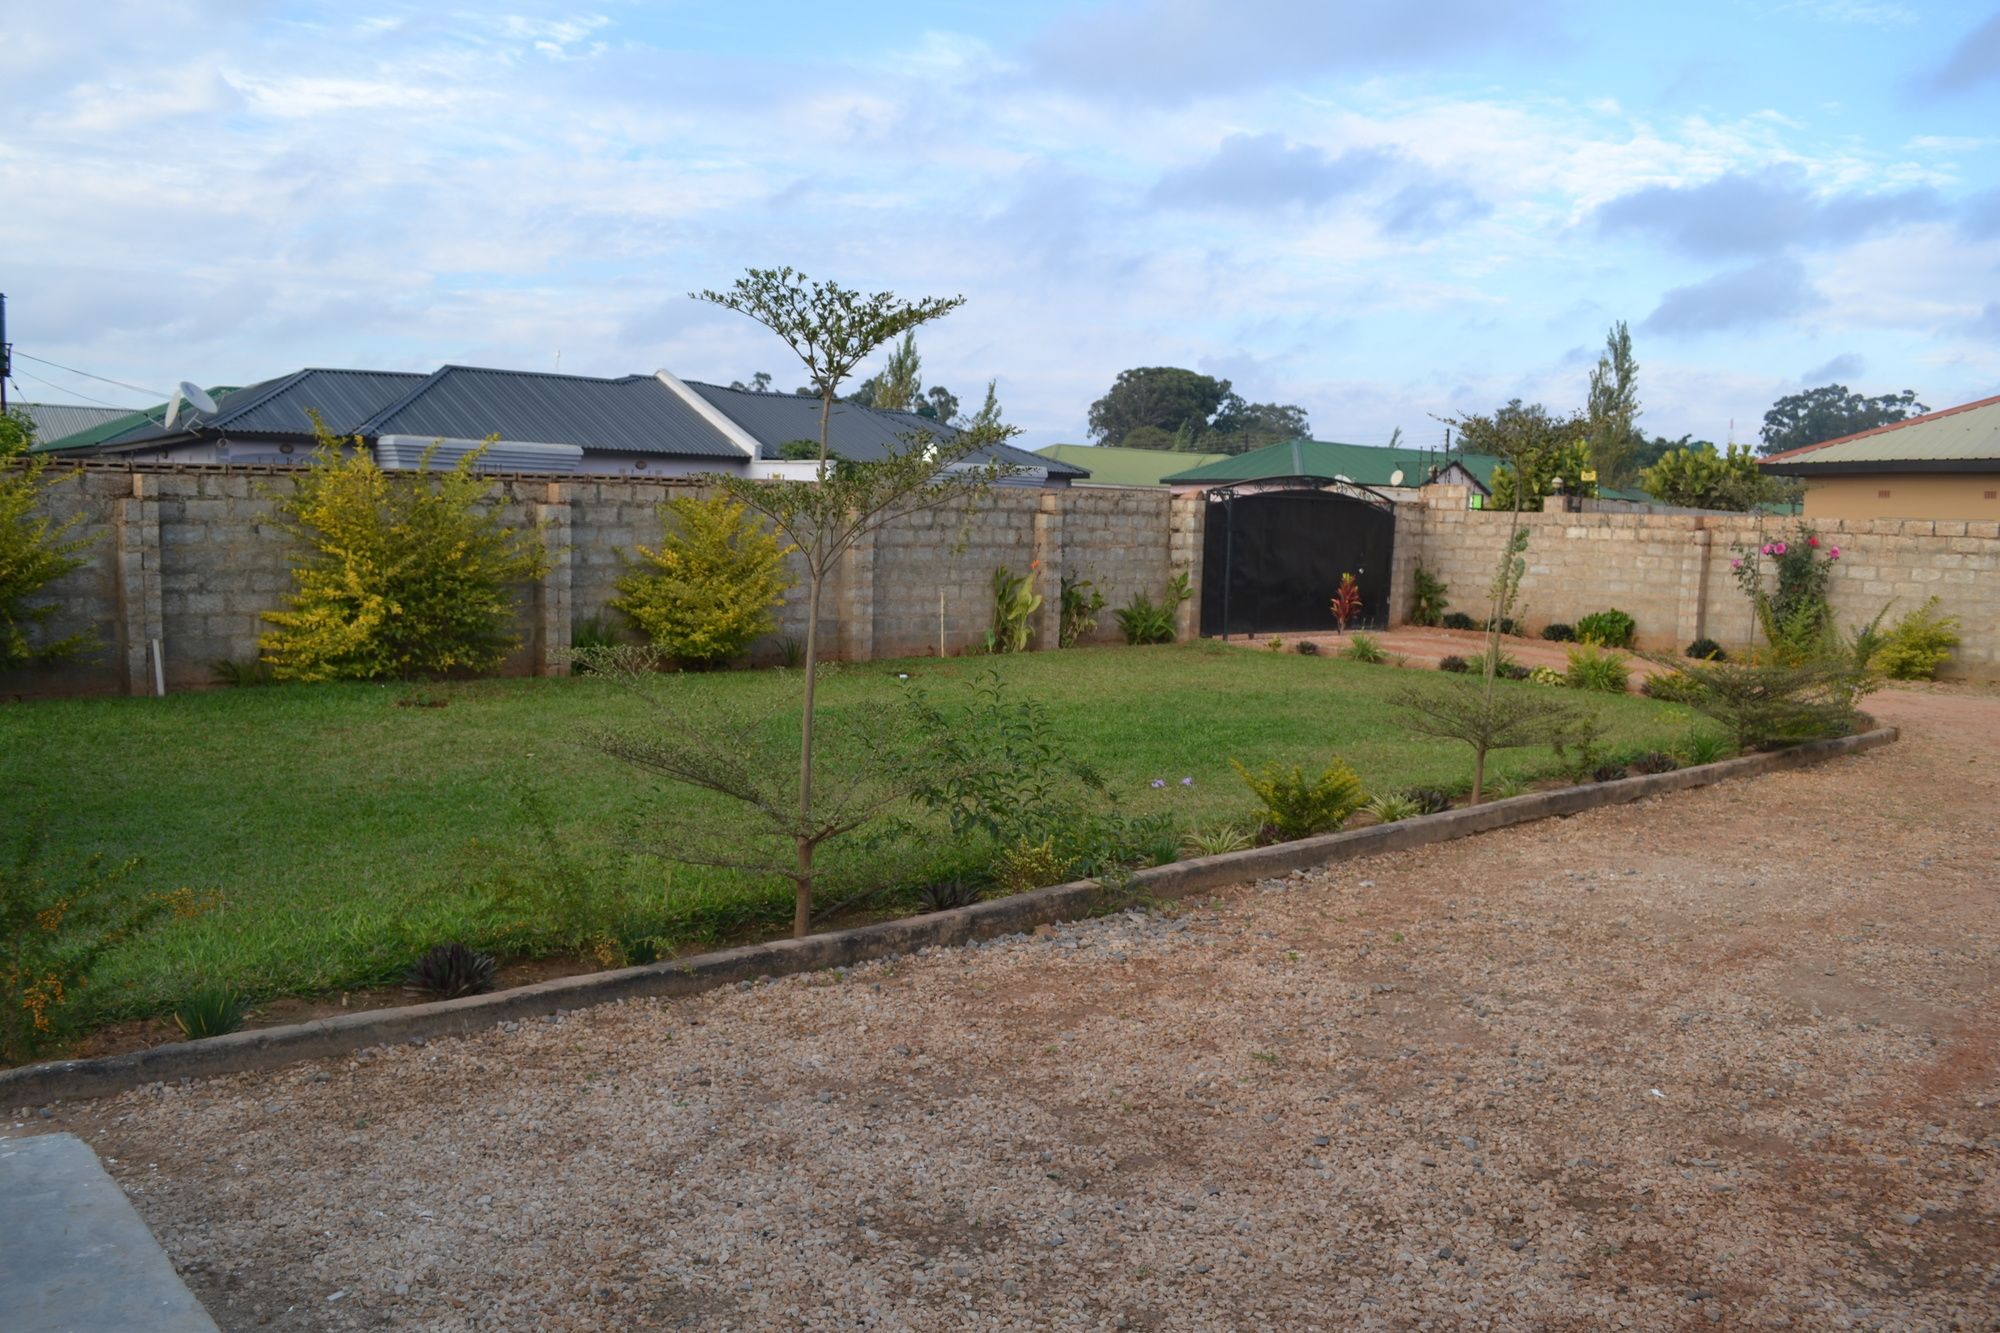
1396, 477
1343, 478
193, 397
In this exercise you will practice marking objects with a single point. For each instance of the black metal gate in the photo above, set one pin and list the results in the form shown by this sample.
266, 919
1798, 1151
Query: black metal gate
1273, 555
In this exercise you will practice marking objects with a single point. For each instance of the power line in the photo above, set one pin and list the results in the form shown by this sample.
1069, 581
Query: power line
101, 402
150, 393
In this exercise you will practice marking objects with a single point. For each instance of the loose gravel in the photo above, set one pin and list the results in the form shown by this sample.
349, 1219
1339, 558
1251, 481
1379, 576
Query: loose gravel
1729, 1057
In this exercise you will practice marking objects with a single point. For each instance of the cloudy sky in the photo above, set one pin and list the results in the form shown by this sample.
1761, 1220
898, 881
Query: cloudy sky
1380, 212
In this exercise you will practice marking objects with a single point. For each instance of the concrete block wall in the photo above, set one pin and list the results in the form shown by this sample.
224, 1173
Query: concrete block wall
1672, 572
191, 557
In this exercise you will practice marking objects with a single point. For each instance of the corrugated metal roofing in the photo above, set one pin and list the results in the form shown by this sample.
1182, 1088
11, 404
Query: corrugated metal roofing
634, 413
282, 406
53, 421
856, 433
1367, 464
1112, 466
1967, 434
142, 422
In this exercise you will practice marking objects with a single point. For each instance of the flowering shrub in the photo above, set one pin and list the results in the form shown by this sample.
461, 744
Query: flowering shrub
1791, 598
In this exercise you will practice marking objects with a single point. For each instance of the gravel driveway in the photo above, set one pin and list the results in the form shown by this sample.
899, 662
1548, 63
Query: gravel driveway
1726, 1058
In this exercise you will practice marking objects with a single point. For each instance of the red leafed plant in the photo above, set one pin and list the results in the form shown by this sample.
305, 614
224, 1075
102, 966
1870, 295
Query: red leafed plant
1346, 601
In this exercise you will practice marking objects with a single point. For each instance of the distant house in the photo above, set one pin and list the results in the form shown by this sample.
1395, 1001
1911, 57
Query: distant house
1939, 465
54, 420
1112, 466
1396, 472
632, 425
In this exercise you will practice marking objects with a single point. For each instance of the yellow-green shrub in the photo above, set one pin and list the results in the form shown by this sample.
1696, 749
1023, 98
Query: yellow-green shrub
1918, 645
1299, 806
35, 550
710, 588
405, 576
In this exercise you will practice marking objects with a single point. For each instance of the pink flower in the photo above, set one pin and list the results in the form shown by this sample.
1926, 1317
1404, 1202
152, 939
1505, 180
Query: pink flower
1736, 564
1777, 548
1769, 549
1834, 554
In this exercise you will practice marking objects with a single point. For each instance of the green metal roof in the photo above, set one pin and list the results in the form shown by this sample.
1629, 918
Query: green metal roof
1366, 464
1110, 466
116, 426
1959, 439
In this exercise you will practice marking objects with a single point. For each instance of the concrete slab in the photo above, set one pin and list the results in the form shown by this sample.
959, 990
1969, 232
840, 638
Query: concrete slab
74, 1256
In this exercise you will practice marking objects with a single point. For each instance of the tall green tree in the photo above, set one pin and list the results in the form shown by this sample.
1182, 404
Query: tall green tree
831, 329
1829, 412
1165, 398
1239, 426
1537, 446
1707, 480
1612, 408
900, 386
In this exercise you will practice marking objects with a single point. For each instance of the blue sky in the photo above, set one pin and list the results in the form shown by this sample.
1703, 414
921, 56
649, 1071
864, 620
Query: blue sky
1382, 213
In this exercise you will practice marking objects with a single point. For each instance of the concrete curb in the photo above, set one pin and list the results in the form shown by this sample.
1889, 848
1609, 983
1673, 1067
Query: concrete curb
269, 1048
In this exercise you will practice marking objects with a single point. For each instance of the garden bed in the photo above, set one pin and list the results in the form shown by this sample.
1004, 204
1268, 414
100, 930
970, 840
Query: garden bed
345, 833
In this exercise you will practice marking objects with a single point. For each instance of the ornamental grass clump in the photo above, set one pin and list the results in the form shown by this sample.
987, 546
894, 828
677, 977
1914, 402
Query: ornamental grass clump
1591, 668
710, 588
404, 576
1301, 805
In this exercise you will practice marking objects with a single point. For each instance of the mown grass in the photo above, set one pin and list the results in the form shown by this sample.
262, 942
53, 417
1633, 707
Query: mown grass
346, 832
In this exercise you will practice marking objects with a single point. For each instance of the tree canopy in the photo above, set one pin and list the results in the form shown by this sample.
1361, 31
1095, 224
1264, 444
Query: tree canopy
1612, 406
1707, 480
1542, 445
1167, 407
1829, 412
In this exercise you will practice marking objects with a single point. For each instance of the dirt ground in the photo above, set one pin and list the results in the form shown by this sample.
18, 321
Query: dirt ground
1727, 1058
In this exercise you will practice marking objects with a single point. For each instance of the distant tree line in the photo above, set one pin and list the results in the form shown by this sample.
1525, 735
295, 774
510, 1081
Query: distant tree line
1166, 407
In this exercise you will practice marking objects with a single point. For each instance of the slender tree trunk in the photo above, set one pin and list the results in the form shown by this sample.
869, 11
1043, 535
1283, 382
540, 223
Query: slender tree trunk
815, 577
1478, 774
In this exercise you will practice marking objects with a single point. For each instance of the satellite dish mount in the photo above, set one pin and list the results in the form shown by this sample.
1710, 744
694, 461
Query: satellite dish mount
192, 397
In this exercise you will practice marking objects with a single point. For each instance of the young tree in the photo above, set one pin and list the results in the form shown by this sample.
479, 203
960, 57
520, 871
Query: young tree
940, 404
1829, 412
759, 383
1535, 447
988, 415
832, 329
1612, 408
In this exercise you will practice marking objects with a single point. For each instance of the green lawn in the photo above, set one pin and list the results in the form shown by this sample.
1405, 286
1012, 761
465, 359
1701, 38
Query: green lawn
344, 833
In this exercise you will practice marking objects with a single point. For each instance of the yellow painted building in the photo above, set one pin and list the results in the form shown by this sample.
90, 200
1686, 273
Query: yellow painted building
1943, 465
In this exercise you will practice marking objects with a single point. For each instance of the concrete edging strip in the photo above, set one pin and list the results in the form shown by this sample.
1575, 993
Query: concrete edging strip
269, 1048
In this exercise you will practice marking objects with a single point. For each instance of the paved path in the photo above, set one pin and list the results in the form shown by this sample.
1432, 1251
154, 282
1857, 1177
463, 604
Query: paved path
1729, 1058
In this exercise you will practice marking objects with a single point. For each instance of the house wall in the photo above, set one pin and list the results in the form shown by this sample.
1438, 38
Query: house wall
1973, 496
190, 556
1671, 572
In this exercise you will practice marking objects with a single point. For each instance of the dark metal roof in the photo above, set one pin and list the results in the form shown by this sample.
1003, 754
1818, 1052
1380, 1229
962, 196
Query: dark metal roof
631, 414
283, 406
856, 433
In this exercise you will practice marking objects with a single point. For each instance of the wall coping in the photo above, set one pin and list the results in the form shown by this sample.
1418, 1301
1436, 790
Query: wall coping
270, 1048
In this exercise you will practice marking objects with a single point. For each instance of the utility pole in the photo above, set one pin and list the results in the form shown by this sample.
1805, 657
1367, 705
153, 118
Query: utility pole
6, 355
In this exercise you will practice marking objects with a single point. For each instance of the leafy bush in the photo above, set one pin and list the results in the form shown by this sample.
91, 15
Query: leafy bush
1459, 620
449, 971
1346, 601
54, 927
1654, 761
1428, 603
1762, 704
1507, 625
34, 552
1606, 629
1591, 668
1559, 633
1031, 865
1672, 687
1306, 648
1608, 771
1275, 644
1428, 800
1081, 601
1794, 611
1919, 644
1296, 805
1015, 602
710, 588
1453, 662
1548, 676
1391, 808
1143, 621
404, 577
1514, 671
1364, 648
209, 1012
1705, 649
